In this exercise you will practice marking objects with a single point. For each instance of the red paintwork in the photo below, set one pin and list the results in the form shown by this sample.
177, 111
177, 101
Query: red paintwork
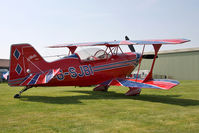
163, 85
95, 79
30, 59
149, 76
28, 68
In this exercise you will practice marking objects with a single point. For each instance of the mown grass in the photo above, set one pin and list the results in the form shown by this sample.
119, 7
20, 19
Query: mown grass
70, 109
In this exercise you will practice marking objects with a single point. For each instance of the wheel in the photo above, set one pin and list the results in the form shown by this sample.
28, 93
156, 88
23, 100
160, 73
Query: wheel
17, 96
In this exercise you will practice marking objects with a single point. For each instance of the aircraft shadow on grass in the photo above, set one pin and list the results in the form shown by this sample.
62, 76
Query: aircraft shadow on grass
94, 95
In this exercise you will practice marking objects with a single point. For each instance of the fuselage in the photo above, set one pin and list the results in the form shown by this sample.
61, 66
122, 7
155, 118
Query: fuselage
77, 72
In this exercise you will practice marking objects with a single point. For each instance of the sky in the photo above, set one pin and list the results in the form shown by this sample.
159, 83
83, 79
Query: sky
48, 22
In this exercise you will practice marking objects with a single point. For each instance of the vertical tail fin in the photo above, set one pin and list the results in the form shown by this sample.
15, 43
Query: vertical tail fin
24, 59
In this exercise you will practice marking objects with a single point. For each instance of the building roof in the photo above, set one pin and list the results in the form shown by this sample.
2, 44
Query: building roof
4, 62
176, 51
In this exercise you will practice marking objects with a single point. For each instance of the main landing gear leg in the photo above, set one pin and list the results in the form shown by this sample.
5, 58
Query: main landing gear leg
133, 91
101, 88
25, 89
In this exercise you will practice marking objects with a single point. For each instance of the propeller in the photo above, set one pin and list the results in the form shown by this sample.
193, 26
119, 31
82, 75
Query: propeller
146, 56
130, 46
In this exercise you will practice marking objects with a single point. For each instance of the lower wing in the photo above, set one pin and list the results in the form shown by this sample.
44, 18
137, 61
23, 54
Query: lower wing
164, 84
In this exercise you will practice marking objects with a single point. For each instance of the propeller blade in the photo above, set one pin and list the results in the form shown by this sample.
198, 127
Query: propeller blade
127, 38
130, 46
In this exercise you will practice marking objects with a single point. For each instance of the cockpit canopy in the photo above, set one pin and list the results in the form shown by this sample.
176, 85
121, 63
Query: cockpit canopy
91, 54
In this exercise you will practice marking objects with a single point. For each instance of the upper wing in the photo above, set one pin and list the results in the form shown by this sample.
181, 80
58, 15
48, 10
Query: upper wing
125, 42
164, 84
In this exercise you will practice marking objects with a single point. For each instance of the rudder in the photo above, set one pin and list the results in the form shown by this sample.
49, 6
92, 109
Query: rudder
24, 59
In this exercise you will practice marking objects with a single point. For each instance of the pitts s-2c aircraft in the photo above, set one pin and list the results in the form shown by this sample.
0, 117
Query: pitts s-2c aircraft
98, 67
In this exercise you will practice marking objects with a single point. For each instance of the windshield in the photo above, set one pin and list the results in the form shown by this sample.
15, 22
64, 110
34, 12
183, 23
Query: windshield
92, 54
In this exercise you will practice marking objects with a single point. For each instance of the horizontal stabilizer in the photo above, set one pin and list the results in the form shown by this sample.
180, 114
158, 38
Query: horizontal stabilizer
39, 78
164, 84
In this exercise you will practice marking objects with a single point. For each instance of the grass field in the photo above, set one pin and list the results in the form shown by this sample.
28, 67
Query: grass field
70, 109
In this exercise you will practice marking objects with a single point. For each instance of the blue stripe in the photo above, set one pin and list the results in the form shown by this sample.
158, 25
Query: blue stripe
49, 76
34, 79
110, 68
18, 82
15, 79
128, 83
116, 63
26, 78
106, 82
147, 42
72, 56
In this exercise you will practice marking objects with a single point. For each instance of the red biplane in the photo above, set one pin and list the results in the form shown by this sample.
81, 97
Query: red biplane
94, 67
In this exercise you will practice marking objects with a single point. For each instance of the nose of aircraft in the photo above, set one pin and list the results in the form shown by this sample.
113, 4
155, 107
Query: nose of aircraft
138, 57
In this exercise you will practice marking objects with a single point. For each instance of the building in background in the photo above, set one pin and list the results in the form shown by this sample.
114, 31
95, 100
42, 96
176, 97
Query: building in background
182, 64
4, 68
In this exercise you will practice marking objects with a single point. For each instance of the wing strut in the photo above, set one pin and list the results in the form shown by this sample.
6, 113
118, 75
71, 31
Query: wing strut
140, 62
156, 49
72, 49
